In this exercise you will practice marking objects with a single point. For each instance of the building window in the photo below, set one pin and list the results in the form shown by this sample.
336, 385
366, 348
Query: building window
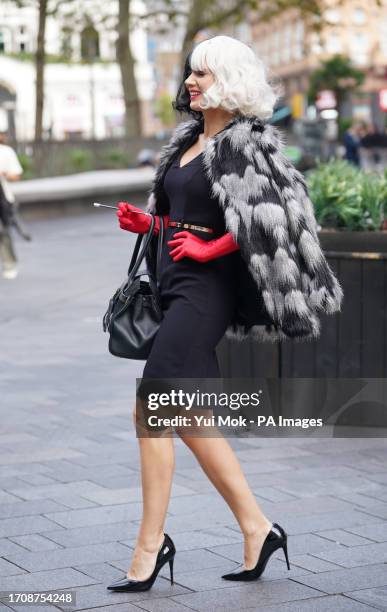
359, 16
383, 37
359, 48
299, 40
315, 43
333, 44
332, 16
287, 50
276, 49
89, 43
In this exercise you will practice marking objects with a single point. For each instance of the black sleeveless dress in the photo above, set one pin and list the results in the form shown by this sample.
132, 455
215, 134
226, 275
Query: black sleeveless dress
198, 299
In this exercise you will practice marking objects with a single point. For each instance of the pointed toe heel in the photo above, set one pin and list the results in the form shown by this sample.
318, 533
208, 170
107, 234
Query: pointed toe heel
272, 543
166, 554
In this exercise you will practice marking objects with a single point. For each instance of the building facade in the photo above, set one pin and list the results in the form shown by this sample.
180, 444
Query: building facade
292, 49
82, 98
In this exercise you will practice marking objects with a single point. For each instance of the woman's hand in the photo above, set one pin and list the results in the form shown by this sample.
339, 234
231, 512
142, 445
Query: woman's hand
189, 245
133, 219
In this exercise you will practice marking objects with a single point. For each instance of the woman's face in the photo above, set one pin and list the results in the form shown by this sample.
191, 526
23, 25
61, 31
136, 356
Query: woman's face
198, 82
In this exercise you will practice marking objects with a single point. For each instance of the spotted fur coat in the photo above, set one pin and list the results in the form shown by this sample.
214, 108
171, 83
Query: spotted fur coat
285, 280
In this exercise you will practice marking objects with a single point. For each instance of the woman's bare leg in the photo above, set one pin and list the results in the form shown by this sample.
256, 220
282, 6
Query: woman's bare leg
157, 465
221, 465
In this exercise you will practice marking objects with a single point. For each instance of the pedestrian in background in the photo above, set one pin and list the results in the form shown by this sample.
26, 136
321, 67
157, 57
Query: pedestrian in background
351, 141
10, 170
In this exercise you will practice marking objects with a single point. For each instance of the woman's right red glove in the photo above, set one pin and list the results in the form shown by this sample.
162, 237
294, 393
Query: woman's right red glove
133, 219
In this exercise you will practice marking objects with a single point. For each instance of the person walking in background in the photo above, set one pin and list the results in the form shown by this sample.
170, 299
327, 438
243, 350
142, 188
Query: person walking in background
351, 141
10, 170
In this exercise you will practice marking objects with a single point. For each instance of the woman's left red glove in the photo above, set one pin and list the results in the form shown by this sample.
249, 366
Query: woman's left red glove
189, 245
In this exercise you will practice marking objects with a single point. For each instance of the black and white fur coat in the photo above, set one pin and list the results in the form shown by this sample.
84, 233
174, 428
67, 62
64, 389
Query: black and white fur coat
285, 280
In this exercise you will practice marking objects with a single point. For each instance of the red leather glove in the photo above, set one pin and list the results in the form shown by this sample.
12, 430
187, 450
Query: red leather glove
189, 245
134, 219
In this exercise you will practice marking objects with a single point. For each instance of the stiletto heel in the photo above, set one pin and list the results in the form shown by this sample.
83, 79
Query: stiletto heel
272, 543
166, 553
285, 549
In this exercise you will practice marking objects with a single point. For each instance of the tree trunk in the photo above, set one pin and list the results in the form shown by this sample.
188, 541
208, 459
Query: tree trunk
126, 63
39, 64
194, 24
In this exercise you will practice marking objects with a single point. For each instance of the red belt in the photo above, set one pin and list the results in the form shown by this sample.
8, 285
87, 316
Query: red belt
200, 228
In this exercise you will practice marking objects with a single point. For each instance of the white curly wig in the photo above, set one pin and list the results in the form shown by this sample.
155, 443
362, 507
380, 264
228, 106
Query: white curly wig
241, 83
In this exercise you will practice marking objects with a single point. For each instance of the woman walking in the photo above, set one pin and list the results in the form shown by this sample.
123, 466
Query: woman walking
246, 263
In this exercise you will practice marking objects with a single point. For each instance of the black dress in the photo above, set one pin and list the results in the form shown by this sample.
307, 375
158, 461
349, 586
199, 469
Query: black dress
198, 299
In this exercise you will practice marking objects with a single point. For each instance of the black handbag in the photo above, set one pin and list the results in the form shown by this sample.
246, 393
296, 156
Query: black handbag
134, 313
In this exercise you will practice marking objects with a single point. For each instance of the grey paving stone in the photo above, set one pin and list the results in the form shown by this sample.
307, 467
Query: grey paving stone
8, 498
67, 557
57, 490
46, 580
36, 479
339, 581
98, 595
105, 496
9, 569
111, 532
376, 598
379, 510
75, 502
23, 508
343, 537
103, 572
96, 516
124, 607
166, 604
20, 526
32, 608
332, 603
44, 454
247, 596
374, 531
35, 542
352, 557
313, 564
328, 520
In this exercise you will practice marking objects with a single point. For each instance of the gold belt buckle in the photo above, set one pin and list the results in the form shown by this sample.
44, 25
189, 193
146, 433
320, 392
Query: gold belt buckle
191, 226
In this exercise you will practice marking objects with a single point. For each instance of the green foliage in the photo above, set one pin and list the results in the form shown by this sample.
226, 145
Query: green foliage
115, 159
164, 110
27, 165
79, 160
337, 74
346, 197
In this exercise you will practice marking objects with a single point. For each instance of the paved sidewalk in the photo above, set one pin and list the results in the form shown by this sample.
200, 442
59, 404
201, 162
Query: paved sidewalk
70, 497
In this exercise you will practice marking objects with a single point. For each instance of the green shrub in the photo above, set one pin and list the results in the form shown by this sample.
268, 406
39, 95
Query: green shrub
115, 158
80, 160
346, 197
27, 164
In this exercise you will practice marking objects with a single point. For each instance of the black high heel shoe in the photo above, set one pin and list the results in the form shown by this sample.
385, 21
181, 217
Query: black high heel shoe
272, 543
165, 554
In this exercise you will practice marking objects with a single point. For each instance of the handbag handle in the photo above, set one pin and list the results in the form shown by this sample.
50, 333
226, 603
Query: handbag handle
159, 249
136, 259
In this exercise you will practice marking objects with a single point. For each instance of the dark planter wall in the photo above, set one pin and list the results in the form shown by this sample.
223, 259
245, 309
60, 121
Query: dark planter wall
352, 343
